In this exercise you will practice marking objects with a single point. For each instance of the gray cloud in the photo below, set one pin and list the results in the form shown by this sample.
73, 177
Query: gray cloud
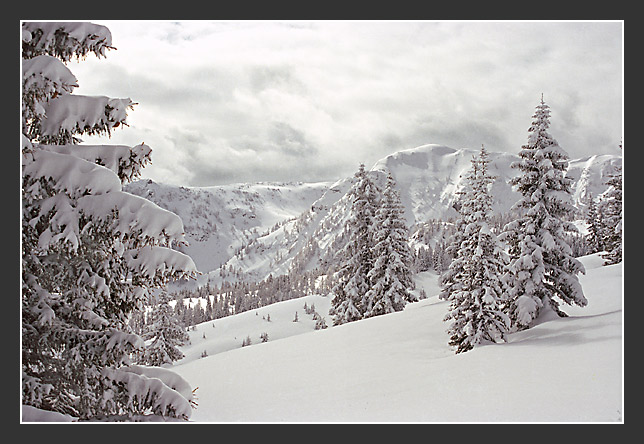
250, 101
278, 168
263, 77
290, 141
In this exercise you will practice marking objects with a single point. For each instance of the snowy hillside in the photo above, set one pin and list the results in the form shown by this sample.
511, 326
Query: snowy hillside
219, 219
589, 175
296, 245
398, 367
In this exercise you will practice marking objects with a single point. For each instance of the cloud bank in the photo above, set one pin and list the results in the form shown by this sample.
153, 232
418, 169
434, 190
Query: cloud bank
225, 102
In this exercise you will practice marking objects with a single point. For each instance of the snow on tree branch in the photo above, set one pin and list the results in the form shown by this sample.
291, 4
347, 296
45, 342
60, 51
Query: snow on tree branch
65, 39
70, 115
127, 162
144, 395
91, 253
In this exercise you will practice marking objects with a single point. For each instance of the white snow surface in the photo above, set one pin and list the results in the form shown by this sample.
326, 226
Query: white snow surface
399, 368
32, 414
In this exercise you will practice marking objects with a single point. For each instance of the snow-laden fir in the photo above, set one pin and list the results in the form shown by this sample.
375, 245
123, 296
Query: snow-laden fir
92, 254
473, 283
542, 265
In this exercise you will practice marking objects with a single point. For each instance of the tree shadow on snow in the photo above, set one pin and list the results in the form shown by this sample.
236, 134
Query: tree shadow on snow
569, 331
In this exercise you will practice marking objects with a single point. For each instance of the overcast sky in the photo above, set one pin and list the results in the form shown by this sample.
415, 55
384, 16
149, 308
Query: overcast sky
227, 102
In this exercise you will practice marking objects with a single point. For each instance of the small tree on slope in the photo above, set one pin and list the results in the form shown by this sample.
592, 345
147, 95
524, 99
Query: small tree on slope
164, 334
91, 253
542, 270
473, 283
610, 208
594, 238
391, 273
353, 281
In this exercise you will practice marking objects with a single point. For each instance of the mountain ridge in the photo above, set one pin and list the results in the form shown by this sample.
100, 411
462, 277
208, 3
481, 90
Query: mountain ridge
248, 231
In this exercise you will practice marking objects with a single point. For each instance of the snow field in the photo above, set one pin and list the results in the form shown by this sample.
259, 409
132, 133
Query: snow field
225, 334
399, 368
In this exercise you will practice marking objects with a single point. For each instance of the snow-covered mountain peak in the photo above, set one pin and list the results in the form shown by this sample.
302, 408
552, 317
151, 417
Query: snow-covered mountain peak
419, 157
429, 176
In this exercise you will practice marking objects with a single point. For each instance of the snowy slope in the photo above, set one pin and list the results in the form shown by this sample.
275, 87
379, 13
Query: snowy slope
398, 367
299, 244
589, 174
219, 219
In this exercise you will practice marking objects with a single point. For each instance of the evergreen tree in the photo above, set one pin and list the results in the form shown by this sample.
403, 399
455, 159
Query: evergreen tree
209, 310
473, 282
137, 322
320, 323
451, 279
91, 253
441, 256
542, 269
356, 258
164, 334
390, 276
611, 213
594, 238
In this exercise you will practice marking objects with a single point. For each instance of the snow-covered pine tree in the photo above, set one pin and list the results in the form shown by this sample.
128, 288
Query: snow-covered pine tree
441, 257
611, 209
164, 333
390, 277
91, 253
356, 259
451, 279
542, 269
423, 258
320, 323
594, 239
473, 282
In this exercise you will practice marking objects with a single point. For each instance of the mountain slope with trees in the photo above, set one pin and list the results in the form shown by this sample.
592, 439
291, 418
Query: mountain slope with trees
112, 302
